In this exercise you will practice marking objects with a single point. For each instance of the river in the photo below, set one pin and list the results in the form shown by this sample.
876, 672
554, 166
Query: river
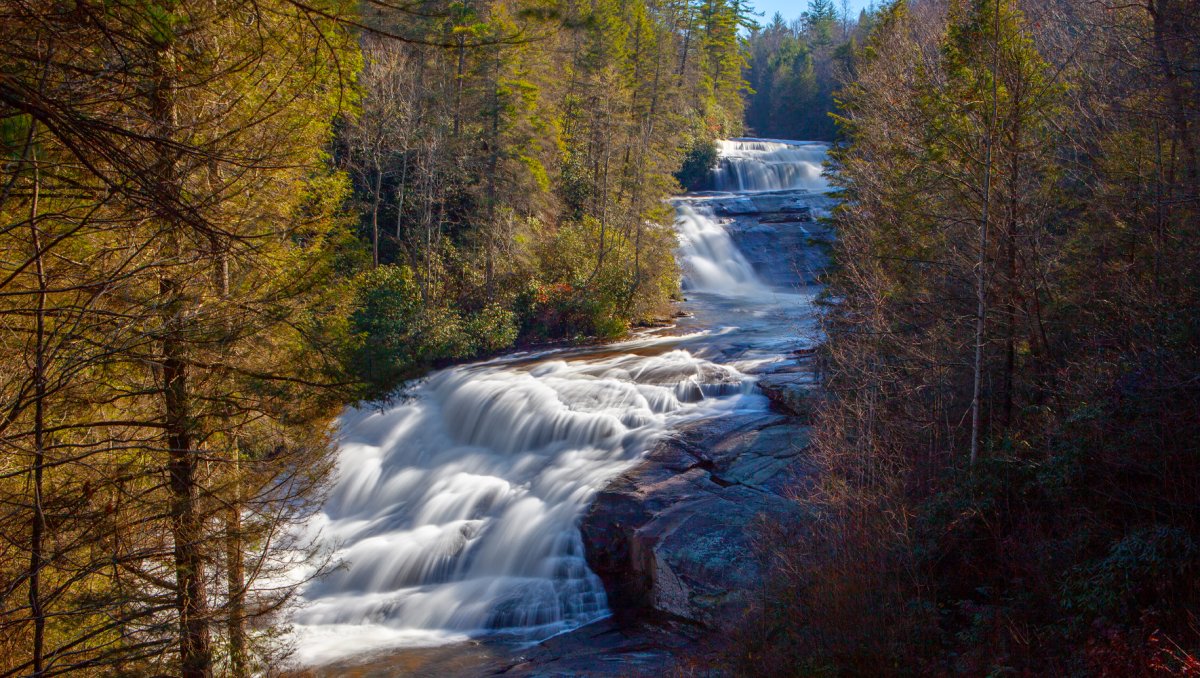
455, 512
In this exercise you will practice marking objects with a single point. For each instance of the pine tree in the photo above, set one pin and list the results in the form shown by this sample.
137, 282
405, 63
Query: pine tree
820, 20
180, 202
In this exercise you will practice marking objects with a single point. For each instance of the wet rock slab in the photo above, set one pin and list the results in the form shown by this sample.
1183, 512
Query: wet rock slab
675, 535
791, 393
781, 248
617, 647
780, 233
776, 202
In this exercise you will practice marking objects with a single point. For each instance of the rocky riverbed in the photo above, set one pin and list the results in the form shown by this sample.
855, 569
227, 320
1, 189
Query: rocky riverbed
675, 535
674, 538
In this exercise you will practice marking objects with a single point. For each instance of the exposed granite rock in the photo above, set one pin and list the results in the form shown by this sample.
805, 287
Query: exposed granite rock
613, 647
785, 218
675, 534
780, 248
790, 392
735, 207
797, 206
609, 647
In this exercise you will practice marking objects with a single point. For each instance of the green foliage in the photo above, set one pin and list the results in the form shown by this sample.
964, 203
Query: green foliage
189, 252
820, 20
698, 164
575, 297
162, 21
398, 337
1071, 546
14, 130
522, 183
794, 71
1146, 568
560, 311
721, 84
492, 329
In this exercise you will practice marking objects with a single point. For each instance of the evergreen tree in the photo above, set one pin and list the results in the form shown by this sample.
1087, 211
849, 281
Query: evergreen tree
1068, 149
180, 239
793, 72
820, 20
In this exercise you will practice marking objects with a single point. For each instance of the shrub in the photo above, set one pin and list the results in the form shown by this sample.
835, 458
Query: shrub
492, 329
397, 337
698, 164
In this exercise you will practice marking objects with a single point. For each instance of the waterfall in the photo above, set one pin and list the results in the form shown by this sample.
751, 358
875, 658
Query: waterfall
458, 510
455, 511
764, 165
708, 257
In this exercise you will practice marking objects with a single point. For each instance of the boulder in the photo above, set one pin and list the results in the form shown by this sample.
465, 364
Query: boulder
675, 534
790, 393
735, 207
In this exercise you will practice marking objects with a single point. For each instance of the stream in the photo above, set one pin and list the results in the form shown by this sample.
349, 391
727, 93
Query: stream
456, 511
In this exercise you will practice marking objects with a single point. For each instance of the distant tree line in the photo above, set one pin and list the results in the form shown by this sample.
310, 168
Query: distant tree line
222, 220
795, 67
1009, 442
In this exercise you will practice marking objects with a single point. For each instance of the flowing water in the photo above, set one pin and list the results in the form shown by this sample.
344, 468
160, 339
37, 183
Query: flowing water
708, 257
752, 165
456, 511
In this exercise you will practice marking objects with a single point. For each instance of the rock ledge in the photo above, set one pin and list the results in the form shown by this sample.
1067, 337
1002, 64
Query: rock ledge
675, 534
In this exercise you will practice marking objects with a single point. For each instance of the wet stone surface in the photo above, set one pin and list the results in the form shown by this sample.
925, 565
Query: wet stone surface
676, 534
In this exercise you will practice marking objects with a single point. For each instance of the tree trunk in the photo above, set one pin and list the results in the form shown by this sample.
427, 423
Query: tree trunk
235, 575
38, 526
186, 522
981, 262
375, 215
1179, 98
687, 41
1013, 295
400, 190
195, 653
493, 163
458, 84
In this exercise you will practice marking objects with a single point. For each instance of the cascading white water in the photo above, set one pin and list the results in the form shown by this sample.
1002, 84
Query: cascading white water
455, 512
708, 257
764, 165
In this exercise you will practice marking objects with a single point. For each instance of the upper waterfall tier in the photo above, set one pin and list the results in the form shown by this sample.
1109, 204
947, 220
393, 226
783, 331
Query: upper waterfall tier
764, 165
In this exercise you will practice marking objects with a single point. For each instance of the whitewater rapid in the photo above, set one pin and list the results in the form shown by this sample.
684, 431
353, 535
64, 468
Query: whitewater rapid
455, 512
458, 510
755, 165
709, 259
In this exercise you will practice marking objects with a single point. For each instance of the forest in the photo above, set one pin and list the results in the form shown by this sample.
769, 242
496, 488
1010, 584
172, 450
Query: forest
224, 221
795, 67
1008, 440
